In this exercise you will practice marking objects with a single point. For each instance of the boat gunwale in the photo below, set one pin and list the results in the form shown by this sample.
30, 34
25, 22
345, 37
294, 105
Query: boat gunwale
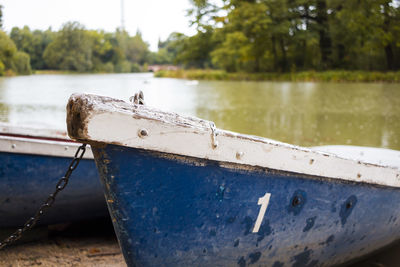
40, 146
101, 117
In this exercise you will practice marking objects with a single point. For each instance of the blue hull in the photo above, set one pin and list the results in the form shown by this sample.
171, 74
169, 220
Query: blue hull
179, 211
27, 180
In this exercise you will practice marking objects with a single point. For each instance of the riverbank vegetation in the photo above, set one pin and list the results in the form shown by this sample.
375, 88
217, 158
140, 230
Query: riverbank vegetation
76, 49
302, 76
73, 49
325, 40
293, 35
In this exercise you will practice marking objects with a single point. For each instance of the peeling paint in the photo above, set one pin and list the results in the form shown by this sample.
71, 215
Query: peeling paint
309, 223
172, 133
254, 257
241, 262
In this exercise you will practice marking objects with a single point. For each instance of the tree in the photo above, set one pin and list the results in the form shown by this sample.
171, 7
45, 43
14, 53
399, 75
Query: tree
22, 63
137, 50
249, 18
70, 50
33, 43
11, 59
101, 51
195, 51
232, 54
7, 51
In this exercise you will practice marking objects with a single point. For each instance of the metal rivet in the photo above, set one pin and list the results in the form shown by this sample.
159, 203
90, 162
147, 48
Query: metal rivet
143, 133
239, 155
215, 144
66, 148
311, 161
13, 146
358, 175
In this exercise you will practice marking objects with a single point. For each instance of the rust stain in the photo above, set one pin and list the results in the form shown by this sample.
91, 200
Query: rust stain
78, 109
178, 158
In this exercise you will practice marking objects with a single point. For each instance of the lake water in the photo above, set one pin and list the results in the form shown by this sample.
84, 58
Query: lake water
306, 114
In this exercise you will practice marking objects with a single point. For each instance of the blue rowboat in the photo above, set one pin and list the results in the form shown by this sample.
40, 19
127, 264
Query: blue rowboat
183, 193
31, 163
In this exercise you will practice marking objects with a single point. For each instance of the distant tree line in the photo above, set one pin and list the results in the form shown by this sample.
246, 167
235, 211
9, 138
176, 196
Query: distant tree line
291, 35
73, 48
233, 35
12, 60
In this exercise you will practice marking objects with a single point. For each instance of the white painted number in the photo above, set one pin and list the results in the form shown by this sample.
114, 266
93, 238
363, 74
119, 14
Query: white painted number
263, 201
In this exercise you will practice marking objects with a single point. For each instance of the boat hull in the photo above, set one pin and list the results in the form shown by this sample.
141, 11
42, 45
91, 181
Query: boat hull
26, 180
172, 210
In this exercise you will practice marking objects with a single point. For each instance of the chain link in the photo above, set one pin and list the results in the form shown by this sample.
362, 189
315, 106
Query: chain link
62, 183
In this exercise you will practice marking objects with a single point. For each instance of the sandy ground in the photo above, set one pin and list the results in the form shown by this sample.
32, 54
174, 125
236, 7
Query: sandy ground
80, 244
94, 244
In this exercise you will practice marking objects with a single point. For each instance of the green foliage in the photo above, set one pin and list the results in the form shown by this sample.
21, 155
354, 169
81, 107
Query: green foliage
237, 36
303, 76
194, 51
70, 50
168, 49
22, 63
245, 38
7, 51
287, 35
2, 69
123, 67
12, 61
136, 49
74, 48
33, 43
233, 53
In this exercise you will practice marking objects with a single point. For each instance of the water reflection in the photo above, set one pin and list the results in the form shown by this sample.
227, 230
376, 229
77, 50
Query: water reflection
4, 111
305, 114
4, 107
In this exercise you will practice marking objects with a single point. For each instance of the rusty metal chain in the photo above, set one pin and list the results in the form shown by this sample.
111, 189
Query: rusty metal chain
62, 183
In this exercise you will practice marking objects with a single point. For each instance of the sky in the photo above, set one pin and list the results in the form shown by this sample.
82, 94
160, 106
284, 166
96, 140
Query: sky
154, 18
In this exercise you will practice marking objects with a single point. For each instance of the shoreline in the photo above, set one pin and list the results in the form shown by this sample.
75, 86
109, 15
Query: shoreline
332, 76
304, 76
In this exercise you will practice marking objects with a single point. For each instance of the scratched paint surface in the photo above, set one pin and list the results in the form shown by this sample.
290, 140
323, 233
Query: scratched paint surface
171, 212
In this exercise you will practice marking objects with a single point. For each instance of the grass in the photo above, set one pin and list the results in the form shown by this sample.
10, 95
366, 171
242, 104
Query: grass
40, 72
304, 76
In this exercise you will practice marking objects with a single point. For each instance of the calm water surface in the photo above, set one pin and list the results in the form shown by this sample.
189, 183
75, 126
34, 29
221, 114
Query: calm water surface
305, 114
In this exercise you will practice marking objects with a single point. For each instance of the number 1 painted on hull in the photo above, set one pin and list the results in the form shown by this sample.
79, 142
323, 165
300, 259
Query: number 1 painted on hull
263, 201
